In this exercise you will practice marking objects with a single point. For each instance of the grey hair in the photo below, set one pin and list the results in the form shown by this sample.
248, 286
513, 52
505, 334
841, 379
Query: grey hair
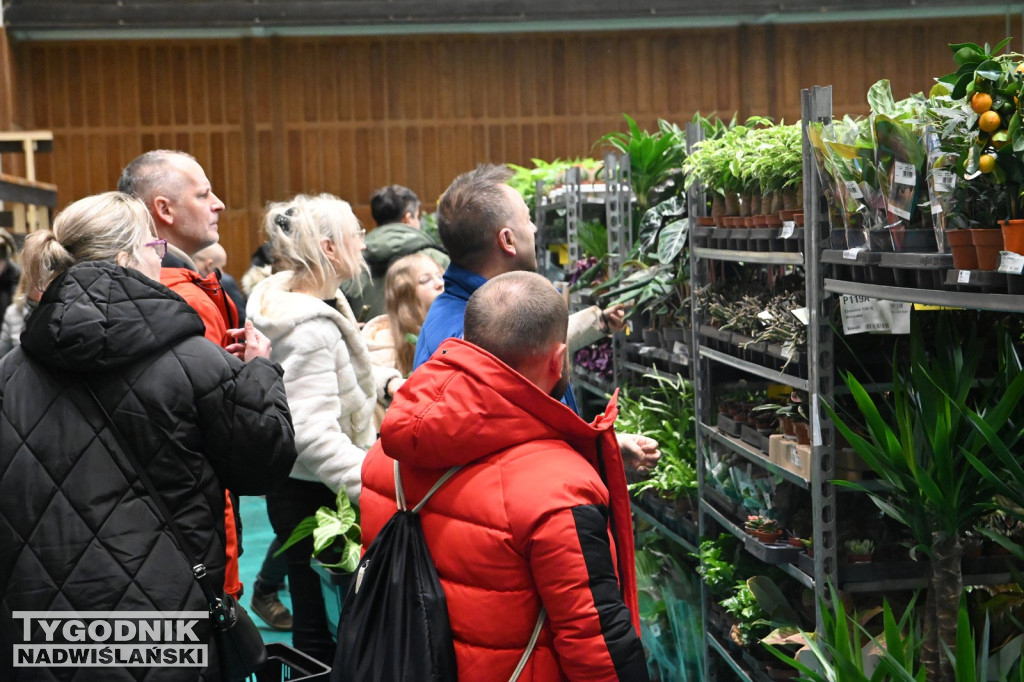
516, 316
150, 174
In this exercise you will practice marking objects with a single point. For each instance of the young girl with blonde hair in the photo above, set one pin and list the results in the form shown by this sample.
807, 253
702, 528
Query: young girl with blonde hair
411, 285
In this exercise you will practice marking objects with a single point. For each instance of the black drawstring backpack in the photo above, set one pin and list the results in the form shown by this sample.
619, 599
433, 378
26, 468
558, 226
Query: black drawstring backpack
394, 621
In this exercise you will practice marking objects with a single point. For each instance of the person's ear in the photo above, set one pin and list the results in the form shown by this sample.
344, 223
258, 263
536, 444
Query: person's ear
328, 246
557, 361
507, 241
163, 209
122, 259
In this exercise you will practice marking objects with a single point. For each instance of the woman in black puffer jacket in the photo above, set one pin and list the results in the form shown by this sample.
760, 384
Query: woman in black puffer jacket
78, 531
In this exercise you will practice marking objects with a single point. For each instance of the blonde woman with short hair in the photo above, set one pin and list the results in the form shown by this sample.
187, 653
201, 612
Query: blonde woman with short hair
332, 385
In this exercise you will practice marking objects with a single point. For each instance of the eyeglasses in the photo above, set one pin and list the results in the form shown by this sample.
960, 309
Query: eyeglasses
160, 246
361, 233
428, 278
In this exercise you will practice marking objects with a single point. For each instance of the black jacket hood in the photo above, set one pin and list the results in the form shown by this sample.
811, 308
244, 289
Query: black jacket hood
98, 316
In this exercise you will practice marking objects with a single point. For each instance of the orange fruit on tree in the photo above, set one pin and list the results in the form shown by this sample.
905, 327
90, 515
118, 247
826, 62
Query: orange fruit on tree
989, 121
981, 102
987, 163
1020, 67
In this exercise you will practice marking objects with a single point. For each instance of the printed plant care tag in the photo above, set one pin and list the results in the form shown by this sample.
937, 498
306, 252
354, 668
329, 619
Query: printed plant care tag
963, 277
802, 314
1010, 262
788, 228
854, 189
905, 173
862, 314
851, 254
944, 180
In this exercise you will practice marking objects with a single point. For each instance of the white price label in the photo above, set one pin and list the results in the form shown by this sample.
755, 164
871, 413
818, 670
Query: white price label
936, 209
765, 315
851, 254
898, 210
802, 314
945, 181
862, 314
905, 173
1011, 262
788, 351
854, 189
963, 277
788, 227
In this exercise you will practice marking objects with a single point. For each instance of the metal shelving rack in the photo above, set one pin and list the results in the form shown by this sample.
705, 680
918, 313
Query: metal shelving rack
818, 381
613, 205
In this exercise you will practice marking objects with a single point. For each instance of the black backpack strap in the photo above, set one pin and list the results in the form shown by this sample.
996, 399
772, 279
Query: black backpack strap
400, 492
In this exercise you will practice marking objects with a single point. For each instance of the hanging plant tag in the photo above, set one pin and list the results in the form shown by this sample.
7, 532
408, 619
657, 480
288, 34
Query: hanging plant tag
936, 209
854, 189
802, 314
963, 277
851, 254
905, 173
765, 315
788, 228
1010, 262
945, 181
862, 314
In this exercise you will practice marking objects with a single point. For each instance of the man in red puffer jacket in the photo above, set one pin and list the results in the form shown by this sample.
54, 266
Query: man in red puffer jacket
537, 516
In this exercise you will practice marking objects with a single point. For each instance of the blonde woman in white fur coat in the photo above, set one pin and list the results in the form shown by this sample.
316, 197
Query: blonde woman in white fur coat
331, 383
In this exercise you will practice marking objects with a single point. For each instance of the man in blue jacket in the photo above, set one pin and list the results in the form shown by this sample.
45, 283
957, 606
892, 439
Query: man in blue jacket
486, 228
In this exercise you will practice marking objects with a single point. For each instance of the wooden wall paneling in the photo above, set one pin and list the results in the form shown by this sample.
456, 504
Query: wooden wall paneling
294, 166
413, 170
7, 92
377, 92
426, 75
434, 180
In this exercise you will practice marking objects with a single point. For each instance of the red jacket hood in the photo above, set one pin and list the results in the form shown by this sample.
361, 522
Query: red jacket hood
464, 404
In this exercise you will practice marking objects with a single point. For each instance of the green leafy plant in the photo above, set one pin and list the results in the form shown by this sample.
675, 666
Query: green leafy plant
860, 546
653, 157
838, 649
336, 530
663, 412
716, 568
944, 421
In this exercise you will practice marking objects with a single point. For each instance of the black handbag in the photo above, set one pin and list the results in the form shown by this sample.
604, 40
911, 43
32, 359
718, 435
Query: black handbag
239, 642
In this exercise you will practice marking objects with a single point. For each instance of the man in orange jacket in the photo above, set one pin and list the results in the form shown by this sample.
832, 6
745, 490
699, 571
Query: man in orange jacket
185, 212
537, 516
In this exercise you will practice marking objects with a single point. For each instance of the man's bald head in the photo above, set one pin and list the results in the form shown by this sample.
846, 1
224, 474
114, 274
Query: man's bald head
517, 317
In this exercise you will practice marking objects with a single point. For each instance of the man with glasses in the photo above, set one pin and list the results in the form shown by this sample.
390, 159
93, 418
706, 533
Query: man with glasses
185, 212
396, 210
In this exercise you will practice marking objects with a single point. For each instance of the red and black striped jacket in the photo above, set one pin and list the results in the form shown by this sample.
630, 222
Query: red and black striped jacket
537, 515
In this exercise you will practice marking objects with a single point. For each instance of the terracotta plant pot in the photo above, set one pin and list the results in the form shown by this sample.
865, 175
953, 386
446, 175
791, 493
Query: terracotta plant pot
964, 255
1013, 235
803, 433
859, 558
798, 218
767, 538
705, 221
987, 244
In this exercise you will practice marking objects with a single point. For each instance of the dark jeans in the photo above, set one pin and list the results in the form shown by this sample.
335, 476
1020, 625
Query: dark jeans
274, 569
292, 502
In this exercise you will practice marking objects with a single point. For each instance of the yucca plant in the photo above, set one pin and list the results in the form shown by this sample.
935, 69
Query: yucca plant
945, 420
838, 650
